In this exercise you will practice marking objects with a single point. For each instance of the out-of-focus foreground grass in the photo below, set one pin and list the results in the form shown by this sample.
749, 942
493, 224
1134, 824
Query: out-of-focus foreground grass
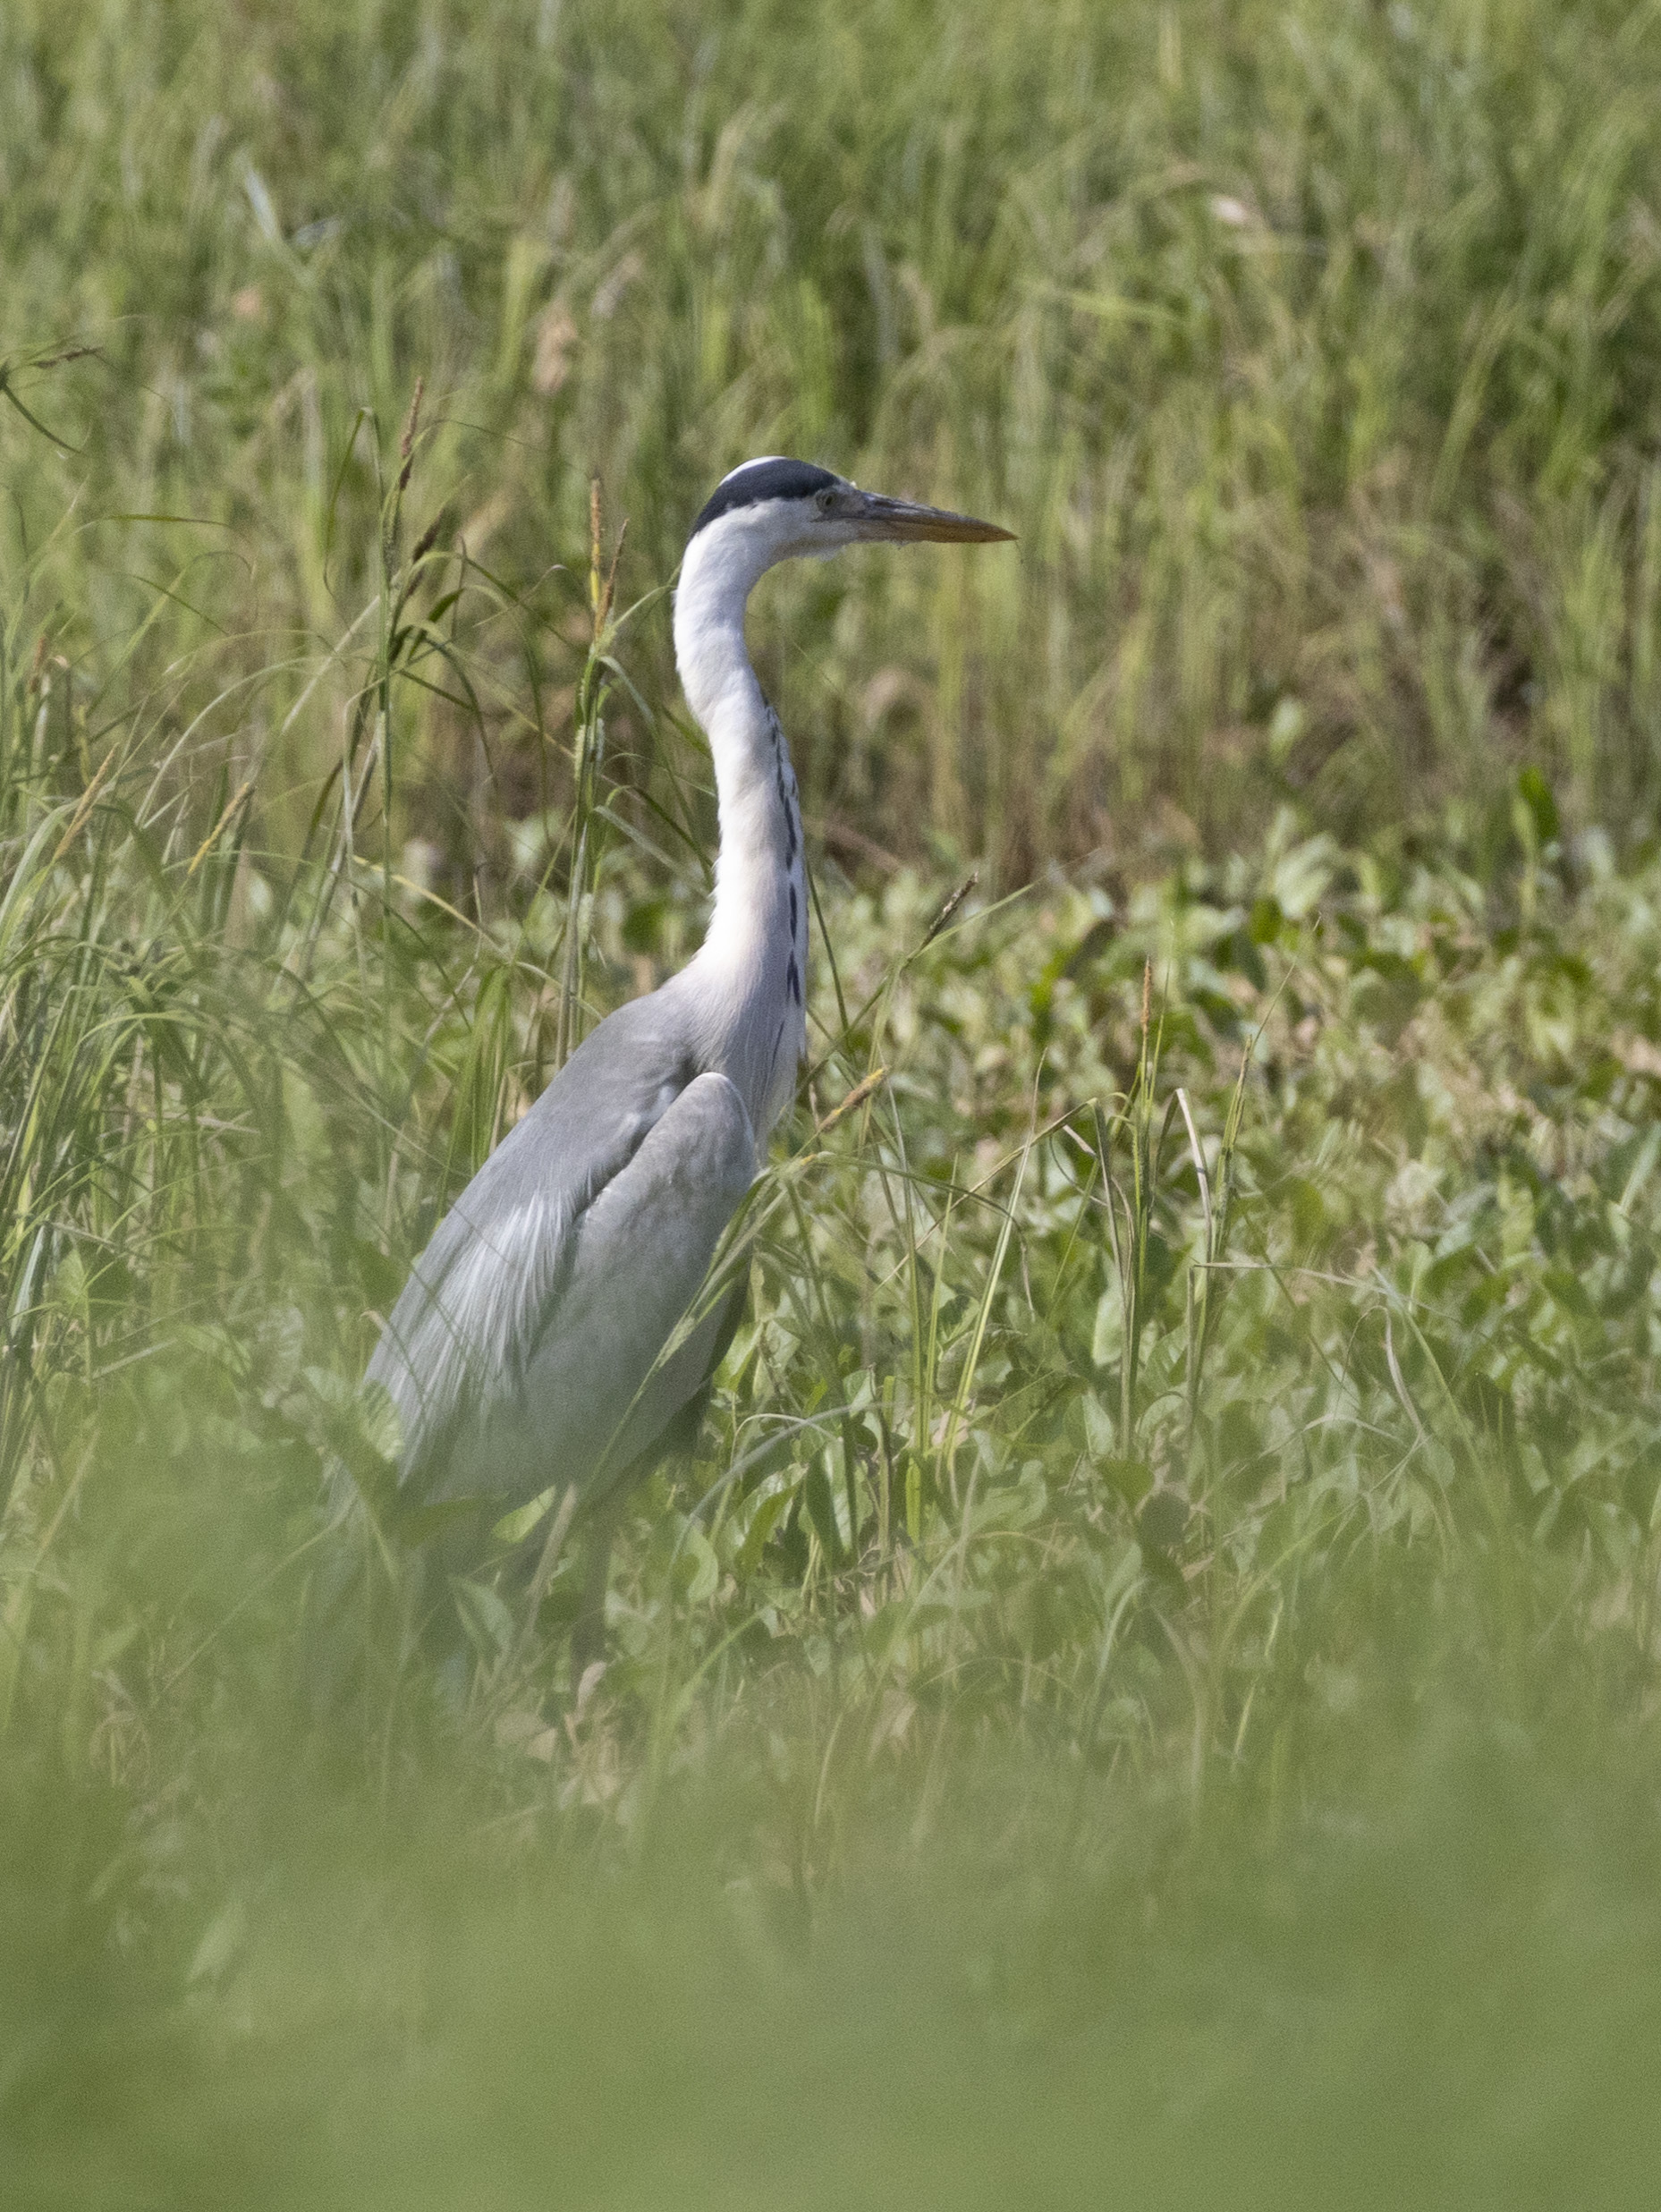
1147, 1690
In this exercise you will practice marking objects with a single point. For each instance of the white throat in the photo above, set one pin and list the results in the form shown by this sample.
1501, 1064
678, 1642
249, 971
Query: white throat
752, 967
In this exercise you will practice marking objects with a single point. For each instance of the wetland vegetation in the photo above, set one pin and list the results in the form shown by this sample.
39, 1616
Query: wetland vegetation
1147, 1690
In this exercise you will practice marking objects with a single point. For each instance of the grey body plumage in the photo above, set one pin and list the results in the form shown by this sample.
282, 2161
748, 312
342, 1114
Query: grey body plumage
524, 1351
506, 1356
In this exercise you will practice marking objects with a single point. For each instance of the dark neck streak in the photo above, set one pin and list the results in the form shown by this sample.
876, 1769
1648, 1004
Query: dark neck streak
795, 871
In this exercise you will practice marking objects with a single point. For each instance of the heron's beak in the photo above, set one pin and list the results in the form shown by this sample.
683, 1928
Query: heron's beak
875, 516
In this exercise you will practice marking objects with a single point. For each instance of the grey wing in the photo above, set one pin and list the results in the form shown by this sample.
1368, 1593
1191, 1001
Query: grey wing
534, 1316
468, 1317
596, 1393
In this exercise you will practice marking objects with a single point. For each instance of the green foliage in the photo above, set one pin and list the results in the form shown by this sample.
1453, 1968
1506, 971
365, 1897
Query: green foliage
1311, 350
1150, 1670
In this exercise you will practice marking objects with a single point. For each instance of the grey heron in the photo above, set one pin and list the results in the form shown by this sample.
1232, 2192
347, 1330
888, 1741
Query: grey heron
524, 1355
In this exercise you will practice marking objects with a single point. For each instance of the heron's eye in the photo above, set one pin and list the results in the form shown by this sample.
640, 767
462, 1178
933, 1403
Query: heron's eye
825, 501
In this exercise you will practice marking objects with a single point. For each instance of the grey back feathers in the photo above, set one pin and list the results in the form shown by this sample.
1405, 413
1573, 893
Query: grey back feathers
521, 1352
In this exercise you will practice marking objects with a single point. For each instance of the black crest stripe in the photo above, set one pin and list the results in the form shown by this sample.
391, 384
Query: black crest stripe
765, 480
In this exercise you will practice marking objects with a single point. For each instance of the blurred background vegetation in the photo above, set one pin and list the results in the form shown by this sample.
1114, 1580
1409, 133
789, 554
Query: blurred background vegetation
1311, 348
1148, 1690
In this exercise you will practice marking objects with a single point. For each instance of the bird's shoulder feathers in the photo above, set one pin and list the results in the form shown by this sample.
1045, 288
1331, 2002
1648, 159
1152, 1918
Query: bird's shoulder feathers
509, 1268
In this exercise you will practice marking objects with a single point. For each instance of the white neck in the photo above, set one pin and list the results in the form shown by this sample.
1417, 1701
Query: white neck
751, 973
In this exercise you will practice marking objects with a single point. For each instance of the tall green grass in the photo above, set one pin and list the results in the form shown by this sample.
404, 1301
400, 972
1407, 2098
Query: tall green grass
1146, 1685
1176, 1524
1309, 349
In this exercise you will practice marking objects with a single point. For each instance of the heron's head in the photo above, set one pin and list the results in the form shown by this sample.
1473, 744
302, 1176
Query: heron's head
770, 511
777, 510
